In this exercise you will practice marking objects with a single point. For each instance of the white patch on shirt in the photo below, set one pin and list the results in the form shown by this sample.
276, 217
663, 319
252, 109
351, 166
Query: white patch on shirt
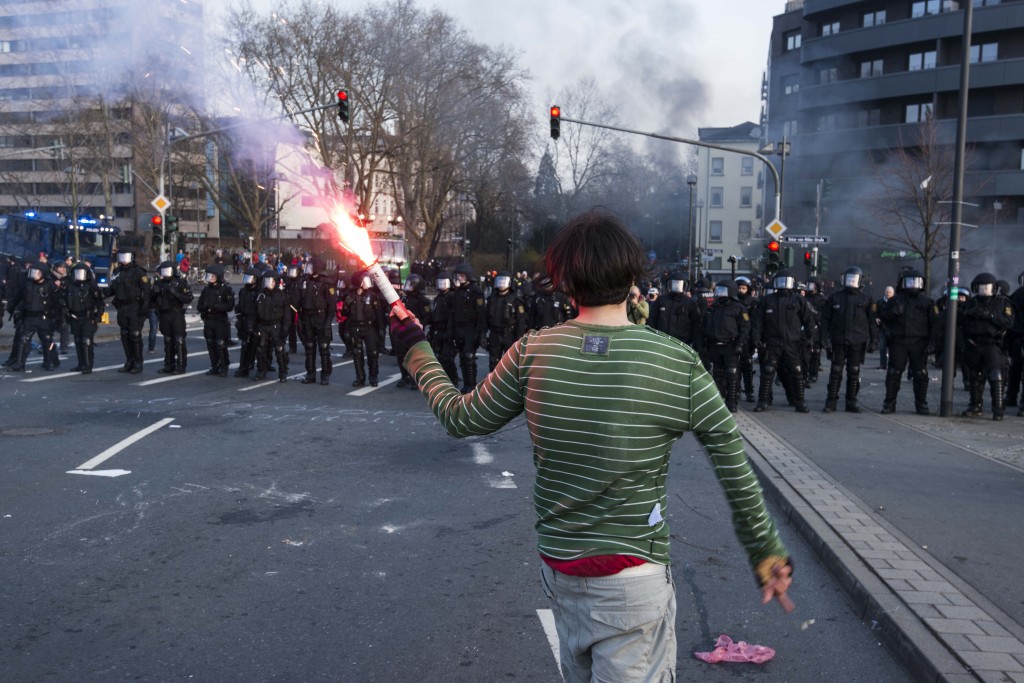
655, 516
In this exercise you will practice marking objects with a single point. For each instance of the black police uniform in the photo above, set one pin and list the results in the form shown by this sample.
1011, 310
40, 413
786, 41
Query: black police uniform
778, 331
847, 329
1015, 346
273, 317
817, 301
366, 315
131, 288
983, 321
746, 360
440, 336
911, 321
546, 307
726, 327
506, 323
417, 303
317, 306
170, 297
38, 307
245, 322
467, 325
678, 315
216, 301
84, 305
16, 282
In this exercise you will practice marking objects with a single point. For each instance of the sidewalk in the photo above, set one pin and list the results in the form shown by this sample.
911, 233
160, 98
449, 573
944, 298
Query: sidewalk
936, 623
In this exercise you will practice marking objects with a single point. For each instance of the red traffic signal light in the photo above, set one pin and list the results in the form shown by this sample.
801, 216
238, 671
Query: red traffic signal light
556, 122
774, 246
808, 258
343, 106
156, 221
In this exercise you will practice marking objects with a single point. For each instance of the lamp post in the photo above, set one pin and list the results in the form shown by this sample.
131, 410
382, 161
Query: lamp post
700, 223
691, 180
996, 207
781, 149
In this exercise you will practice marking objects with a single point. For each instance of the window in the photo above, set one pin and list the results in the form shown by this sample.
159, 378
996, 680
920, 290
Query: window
791, 84
986, 3
746, 166
717, 166
916, 113
717, 197
920, 9
829, 75
746, 197
830, 28
873, 18
714, 231
826, 122
746, 227
789, 129
985, 52
792, 39
872, 68
921, 60
5, 46
869, 117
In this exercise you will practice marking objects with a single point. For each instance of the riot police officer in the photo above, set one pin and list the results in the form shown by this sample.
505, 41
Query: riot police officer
170, 296
414, 298
292, 282
366, 314
816, 298
215, 302
17, 279
84, 305
273, 317
131, 289
847, 329
468, 322
245, 320
778, 331
439, 336
506, 319
745, 293
983, 321
726, 327
676, 314
547, 308
1015, 346
38, 308
911, 321
317, 299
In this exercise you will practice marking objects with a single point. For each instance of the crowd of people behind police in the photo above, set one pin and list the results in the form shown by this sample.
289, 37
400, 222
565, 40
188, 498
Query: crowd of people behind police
780, 323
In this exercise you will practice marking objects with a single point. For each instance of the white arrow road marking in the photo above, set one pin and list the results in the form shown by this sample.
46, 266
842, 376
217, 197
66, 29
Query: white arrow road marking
120, 446
365, 390
547, 621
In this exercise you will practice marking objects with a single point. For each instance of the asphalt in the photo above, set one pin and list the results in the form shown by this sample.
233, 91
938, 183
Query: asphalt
939, 621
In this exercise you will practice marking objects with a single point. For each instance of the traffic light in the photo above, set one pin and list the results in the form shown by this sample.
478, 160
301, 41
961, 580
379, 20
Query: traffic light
556, 122
808, 258
773, 259
822, 263
156, 227
787, 256
170, 225
826, 187
343, 106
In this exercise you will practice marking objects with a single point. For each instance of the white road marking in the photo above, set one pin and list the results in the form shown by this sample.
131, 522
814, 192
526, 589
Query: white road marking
101, 473
366, 390
121, 445
171, 378
105, 368
298, 376
481, 456
547, 621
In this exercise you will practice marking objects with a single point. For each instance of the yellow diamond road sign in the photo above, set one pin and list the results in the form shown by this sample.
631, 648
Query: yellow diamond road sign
775, 228
161, 203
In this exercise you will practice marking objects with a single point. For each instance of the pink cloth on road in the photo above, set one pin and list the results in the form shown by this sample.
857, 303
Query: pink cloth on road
728, 651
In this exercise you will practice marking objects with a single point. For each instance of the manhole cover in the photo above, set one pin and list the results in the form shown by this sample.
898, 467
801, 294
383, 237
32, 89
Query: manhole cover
27, 431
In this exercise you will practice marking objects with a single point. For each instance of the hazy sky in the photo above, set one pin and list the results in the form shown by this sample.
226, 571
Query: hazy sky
672, 65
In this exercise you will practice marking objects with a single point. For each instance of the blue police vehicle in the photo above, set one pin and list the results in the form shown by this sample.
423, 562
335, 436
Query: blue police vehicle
30, 234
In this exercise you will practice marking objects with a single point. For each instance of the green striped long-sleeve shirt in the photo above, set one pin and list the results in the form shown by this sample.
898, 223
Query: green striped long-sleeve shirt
604, 406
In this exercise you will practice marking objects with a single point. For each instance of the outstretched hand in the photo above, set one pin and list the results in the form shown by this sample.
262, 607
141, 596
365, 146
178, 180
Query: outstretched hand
775, 575
408, 332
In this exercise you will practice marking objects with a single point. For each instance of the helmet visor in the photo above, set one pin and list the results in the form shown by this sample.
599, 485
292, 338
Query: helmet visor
293, 271
308, 269
35, 274
166, 271
461, 278
269, 282
987, 289
81, 275
721, 292
913, 283
502, 281
851, 280
443, 284
784, 282
211, 278
124, 257
677, 286
247, 279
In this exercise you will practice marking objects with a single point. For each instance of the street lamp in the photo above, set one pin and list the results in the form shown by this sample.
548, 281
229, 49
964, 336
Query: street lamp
691, 180
781, 149
996, 207
700, 223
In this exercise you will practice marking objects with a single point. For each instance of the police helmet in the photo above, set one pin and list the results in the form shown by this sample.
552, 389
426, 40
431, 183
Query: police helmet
443, 281
37, 271
293, 271
784, 280
726, 289
125, 257
744, 281
677, 283
81, 272
167, 269
269, 279
250, 276
1004, 288
214, 273
911, 281
852, 277
545, 285
414, 283
502, 281
812, 284
463, 274
984, 284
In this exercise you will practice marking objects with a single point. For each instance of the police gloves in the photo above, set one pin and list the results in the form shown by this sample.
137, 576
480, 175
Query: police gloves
408, 332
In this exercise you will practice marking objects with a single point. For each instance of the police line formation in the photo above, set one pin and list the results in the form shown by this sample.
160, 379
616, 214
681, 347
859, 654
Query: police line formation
781, 323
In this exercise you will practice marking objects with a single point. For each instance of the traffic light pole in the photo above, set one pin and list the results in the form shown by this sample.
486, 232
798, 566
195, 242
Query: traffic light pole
698, 143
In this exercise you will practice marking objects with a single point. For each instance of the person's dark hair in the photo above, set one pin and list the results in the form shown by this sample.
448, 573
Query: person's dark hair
595, 259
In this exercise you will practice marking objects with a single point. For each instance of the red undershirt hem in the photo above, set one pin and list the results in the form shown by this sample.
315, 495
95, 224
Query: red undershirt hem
595, 566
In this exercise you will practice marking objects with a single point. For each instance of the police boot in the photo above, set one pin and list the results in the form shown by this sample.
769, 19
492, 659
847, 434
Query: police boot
126, 344
996, 392
262, 363
282, 362
975, 387
764, 395
357, 363
181, 349
80, 353
23, 350
225, 360
732, 390
406, 378
211, 349
852, 389
748, 385
168, 367
921, 393
374, 362
90, 353
798, 392
136, 344
310, 377
326, 364
835, 380
468, 374
892, 389
244, 360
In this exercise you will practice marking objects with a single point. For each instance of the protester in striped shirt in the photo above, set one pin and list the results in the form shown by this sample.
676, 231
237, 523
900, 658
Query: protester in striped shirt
604, 401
